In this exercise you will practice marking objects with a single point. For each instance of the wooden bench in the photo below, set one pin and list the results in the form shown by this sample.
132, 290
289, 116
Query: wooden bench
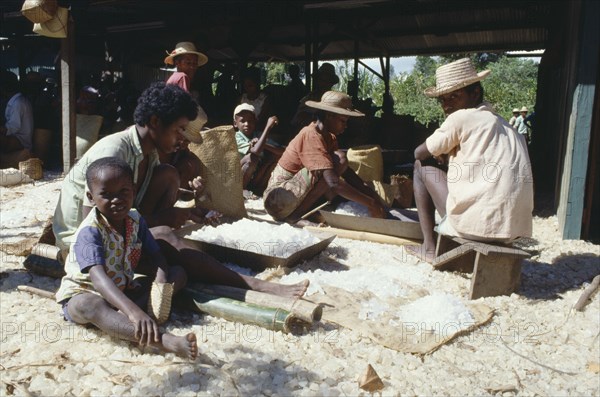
496, 268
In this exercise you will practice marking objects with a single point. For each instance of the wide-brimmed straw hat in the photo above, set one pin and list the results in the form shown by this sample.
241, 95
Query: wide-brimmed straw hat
38, 11
192, 131
454, 76
335, 102
516, 110
524, 109
327, 72
185, 47
55, 27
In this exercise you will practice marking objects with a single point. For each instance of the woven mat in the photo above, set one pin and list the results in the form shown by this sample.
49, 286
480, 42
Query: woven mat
342, 308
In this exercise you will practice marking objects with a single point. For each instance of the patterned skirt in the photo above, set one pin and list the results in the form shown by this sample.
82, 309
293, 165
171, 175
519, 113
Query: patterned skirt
286, 191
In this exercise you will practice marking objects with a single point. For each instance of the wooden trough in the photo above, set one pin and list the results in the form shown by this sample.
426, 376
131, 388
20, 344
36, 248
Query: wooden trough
255, 260
389, 227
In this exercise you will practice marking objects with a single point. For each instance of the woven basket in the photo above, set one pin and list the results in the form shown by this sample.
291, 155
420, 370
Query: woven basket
367, 162
39, 11
159, 304
32, 168
221, 172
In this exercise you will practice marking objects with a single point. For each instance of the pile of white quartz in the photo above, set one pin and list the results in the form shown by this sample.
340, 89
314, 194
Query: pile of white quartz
351, 208
440, 313
258, 237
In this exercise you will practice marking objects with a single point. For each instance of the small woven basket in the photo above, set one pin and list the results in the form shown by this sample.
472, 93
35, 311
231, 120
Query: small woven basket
39, 11
159, 304
32, 168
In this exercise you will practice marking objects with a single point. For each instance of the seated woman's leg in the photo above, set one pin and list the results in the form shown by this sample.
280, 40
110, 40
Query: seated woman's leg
202, 267
162, 191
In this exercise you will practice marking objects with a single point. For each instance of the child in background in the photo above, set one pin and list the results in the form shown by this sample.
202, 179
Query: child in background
258, 156
111, 244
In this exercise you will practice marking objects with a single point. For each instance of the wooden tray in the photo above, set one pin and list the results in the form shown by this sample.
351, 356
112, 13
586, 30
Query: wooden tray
254, 260
390, 227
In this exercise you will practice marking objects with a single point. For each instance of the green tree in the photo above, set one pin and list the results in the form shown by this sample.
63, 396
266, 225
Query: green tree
512, 83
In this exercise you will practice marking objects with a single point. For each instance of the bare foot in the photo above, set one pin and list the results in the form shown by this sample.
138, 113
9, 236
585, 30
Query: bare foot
288, 290
420, 252
185, 346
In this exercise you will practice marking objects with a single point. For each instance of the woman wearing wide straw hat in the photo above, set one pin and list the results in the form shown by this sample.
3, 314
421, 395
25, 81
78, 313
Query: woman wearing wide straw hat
187, 59
485, 192
311, 166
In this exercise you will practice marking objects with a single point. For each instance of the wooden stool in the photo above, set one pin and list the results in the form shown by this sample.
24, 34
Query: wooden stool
496, 268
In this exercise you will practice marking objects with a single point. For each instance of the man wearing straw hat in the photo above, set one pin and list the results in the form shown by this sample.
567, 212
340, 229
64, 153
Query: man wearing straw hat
311, 166
485, 192
520, 124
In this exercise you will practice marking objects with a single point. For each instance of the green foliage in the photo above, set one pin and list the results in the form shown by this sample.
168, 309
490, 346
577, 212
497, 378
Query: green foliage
273, 73
370, 86
407, 91
512, 83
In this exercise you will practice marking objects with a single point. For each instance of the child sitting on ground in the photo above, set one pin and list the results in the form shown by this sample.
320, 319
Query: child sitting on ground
258, 155
112, 243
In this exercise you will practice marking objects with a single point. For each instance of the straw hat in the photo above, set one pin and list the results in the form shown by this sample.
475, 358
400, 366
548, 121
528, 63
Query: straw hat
335, 102
523, 109
327, 72
243, 106
192, 131
55, 27
38, 11
185, 47
454, 76
515, 110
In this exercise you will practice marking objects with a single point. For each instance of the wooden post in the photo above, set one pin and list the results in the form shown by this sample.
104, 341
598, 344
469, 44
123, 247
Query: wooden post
67, 74
355, 82
308, 56
315, 51
570, 210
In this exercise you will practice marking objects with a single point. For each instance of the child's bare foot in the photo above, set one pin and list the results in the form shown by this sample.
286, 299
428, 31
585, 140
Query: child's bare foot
184, 346
288, 290
421, 252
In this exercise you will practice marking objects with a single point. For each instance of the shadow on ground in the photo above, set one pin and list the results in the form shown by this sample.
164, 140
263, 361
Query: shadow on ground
547, 281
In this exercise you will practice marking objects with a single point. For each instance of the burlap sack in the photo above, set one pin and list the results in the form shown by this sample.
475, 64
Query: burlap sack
367, 162
221, 171
386, 192
87, 127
